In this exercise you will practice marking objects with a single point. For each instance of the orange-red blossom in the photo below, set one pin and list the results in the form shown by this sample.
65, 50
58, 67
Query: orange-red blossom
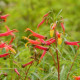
9, 32
7, 47
4, 17
72, 43
36, 34
4, 55
34, 42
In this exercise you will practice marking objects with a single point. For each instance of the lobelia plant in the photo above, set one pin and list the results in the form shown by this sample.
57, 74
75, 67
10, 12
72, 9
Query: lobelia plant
56, 38
43, 43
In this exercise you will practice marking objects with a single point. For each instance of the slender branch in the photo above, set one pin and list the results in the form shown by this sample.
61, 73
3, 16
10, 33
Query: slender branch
28, 71
57, 55
53, 58
72, 65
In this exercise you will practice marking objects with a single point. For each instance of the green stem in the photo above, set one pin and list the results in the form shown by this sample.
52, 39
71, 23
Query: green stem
72, 65
11, 64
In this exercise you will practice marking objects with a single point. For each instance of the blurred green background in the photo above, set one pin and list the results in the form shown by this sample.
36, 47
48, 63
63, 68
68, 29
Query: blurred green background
28, 13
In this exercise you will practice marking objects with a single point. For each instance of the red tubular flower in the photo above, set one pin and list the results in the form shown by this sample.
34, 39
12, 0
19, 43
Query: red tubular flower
41, 47
76, 77
36, 34
48, 42
7, 47
4, 55
42, 41
9, 32
41, 23
32, 41
17, 72
46, 15
63, 27
24, 65
2, 45
72, 43
11, 40
4, 17
44, 52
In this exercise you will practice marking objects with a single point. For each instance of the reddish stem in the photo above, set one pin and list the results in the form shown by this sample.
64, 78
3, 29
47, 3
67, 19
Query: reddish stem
53, 58
57, 56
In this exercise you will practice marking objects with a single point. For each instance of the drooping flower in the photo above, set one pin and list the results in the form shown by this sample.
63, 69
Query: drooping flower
48, 42
4, 17
2, 45
24, 65
62, 25
44, 52
72, 43
11, 40
76, 77
31, 41
46, 14
41, 23
4, 55
17, 72
36, 34
9, 32
7, 47
41, 47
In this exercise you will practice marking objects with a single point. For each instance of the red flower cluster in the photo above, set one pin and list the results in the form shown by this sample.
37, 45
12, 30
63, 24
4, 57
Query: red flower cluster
9, 32
4, 17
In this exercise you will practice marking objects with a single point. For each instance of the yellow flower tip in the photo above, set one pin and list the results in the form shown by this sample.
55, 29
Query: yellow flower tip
29, 35
59, 41
26, 44
23, 37
12, 50
39, 61
27, 29
74, 76
51, 32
